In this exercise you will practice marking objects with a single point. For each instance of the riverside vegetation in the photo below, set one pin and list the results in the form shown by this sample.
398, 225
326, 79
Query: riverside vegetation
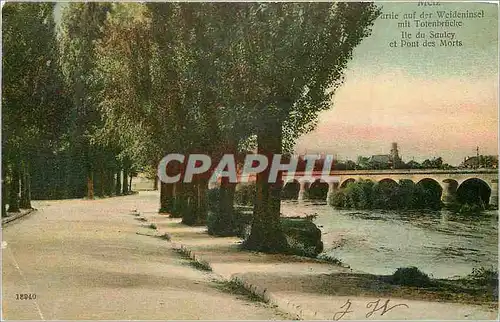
405, 195
365, 194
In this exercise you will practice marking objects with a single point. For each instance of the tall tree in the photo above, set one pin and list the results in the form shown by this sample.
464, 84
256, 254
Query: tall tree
34, 109
296, 53
81, 28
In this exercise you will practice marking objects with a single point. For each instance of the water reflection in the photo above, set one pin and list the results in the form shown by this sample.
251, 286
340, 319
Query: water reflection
440, 243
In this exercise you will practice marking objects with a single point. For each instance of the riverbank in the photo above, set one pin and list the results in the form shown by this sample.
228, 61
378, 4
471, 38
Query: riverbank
313, 289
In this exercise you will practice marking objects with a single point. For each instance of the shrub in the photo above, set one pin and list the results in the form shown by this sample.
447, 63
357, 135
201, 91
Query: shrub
213, 196
470, 209
163, 210
483, 276
242, 221
410, 276
303, 236
245, 194
365, 194
234, 224
218, 225
337, 199
179, 207
330, 259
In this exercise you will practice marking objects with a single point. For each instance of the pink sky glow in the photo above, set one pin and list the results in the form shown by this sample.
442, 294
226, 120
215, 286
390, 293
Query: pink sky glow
428, 117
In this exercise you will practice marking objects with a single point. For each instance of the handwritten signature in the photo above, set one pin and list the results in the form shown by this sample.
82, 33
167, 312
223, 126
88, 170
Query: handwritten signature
374, 306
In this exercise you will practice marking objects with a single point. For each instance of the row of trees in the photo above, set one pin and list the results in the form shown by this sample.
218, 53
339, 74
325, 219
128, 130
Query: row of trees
127, 83
52, 140
365, 163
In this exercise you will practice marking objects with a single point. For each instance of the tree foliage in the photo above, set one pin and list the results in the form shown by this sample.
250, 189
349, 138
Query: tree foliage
147, 79
366, 194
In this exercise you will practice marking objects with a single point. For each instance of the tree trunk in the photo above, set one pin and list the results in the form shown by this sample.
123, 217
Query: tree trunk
130, 183
190, 209
14, 189
102, 181
109, 182
163, 197
178, 200
266, 234
90, 185
125, 181
118, 186
155, 187
112, 182
25, 200
225, 225
166, 197
201, 202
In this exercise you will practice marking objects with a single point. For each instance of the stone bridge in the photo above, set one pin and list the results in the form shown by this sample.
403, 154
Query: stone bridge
448, 180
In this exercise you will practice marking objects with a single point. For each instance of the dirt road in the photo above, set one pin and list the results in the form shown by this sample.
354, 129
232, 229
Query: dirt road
84, 260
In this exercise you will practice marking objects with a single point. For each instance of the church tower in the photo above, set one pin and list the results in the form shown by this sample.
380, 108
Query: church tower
396, 160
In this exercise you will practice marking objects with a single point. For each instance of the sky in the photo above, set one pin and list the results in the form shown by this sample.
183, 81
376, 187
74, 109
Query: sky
440, 101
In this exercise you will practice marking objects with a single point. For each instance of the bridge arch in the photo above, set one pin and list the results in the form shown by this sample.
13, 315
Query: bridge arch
431, 193
318, 190
430, 183
388, 181
474, 191
344, 183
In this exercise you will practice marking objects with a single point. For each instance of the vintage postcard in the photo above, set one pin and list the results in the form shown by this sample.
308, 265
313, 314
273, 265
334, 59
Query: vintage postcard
250, 160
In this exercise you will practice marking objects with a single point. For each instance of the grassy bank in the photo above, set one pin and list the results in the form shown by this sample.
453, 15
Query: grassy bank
478, 288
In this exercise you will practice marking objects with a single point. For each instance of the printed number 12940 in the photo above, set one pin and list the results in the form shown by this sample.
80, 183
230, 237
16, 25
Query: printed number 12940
25, 296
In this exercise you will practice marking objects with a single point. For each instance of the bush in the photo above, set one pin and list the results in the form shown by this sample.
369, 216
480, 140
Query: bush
365, 194
410, 276
218, 225
213, 196
337, 199
223, 224
330, 259
303, 236
470, 209
245, 194
164, 210
237, 226
242, 222
484, 276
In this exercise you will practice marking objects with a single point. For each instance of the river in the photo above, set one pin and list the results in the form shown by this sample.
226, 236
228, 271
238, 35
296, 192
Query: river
439, 243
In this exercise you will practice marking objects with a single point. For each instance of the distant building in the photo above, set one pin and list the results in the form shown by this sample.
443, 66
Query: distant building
395, 159
483, 161
383, 160
387, 161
